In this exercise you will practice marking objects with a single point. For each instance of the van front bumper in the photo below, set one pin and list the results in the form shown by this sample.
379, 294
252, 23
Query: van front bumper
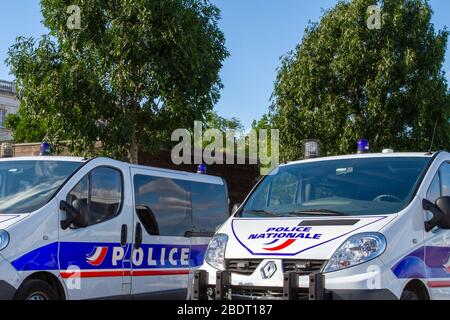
223, 290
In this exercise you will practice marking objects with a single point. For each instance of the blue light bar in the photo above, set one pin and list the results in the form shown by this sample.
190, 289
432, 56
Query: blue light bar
201, 168
363, 146
45, 149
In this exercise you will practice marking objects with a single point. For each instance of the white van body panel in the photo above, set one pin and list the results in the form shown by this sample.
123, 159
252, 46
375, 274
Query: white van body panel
91, 262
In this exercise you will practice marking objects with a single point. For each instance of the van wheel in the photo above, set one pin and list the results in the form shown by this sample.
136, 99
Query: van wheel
36, 289
409, 295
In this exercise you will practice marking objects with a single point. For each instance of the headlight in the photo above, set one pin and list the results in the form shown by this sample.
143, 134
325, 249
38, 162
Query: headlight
357, 249
215, 255
4, 239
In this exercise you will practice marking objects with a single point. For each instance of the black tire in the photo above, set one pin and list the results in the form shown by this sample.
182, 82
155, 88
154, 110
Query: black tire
409, 295
36, 289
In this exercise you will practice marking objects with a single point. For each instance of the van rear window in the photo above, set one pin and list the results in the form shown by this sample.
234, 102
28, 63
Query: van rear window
180, 206
168, 200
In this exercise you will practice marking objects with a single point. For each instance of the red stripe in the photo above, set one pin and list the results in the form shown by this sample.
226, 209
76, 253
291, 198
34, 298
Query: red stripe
139, 273
91, 274
281, 246
120, 273
439, 284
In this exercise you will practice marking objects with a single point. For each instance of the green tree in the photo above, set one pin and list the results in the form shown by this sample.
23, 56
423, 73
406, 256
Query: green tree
345, 81
214, 121
25, 128
225, 126
264, 123
132, 73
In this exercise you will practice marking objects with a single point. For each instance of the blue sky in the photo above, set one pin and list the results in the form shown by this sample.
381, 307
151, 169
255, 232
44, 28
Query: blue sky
257, 33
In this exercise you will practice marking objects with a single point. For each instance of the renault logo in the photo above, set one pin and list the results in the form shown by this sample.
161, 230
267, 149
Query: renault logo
268, 270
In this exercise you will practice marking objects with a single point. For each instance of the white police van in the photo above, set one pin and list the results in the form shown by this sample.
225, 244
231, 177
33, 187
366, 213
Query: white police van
72, 228
366, 226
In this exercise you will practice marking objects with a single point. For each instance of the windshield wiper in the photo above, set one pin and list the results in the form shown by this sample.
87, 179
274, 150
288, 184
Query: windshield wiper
266, 212
322, 212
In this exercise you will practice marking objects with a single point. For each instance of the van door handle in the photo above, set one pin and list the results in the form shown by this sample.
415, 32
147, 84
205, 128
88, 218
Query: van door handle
138, 236
124, 235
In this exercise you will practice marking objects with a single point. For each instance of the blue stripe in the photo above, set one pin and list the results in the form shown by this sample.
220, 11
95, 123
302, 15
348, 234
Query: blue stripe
425, 262
76, 254
43, 258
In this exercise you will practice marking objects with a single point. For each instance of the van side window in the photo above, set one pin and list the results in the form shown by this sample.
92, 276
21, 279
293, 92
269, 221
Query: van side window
100, 193
444, 172
209, 206
80, 192
434, 191
169, 202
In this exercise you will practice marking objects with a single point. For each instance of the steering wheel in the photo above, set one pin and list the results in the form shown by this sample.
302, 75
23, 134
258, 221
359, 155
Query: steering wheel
389, 196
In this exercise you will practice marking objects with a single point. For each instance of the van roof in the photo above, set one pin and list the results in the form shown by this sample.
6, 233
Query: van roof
182, 174
48, 158
365, 155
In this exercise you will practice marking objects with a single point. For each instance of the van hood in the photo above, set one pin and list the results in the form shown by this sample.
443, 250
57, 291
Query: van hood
7, 220
299, 237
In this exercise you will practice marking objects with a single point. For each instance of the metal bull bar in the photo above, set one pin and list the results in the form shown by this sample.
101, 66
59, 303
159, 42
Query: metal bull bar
223, 286
200, 285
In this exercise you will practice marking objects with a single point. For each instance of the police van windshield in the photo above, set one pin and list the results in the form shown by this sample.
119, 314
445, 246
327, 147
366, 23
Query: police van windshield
357, 186
27, 185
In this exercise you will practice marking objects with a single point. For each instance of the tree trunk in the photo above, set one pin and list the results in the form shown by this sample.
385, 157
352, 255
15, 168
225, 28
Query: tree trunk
133, 155
133, 152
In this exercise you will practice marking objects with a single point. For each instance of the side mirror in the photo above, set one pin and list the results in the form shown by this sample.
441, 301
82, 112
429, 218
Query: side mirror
76, 214
148, 219
71, 214
82, 219
235, 208
440, 211
443, 203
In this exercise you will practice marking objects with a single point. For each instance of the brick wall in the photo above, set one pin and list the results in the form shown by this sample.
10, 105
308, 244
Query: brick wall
26, 149
240, 178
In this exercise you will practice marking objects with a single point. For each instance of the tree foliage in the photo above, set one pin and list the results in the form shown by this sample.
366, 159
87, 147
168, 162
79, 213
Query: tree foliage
135, 71
26, 128
345, 81
223, 124
263, 123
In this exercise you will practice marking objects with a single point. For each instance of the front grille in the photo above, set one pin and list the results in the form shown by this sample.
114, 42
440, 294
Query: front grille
243, 266
265, 293
301, 267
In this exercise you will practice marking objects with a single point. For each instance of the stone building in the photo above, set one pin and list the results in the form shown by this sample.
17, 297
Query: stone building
9, 103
